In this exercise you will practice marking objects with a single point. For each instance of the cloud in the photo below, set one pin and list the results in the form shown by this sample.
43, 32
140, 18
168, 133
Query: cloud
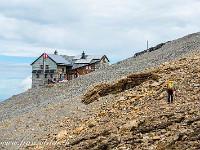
26, 83
9, 87
14, 79
28, 28
14, 70
116, 28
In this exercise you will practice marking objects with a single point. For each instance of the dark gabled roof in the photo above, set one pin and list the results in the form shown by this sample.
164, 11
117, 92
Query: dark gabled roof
57, 59
68, 58
74, 61
37, 59
94, 61
77, 60
75, 66
104, 56
88, 59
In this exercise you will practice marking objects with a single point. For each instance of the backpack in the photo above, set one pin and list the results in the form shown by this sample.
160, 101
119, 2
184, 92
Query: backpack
170, 85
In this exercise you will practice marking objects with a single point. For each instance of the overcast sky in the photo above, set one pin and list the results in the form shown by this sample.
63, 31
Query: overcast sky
116, 28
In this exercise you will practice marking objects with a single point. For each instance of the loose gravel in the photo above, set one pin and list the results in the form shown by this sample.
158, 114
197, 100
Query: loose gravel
44, 97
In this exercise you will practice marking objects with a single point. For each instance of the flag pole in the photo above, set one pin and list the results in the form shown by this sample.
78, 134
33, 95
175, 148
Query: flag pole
43, 68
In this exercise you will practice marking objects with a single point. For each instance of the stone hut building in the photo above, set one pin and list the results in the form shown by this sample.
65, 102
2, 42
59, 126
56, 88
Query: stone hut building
54, 67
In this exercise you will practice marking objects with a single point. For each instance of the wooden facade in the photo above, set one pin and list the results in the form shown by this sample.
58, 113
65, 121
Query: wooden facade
70, 74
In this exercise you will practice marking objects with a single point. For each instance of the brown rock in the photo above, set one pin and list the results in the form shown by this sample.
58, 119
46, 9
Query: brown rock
61, 134
79, 129
131, 125
156, 138
155, 84
41, 124
61, 124
91, 124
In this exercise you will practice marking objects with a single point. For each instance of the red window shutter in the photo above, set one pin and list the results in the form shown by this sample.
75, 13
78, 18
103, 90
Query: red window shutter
37, 76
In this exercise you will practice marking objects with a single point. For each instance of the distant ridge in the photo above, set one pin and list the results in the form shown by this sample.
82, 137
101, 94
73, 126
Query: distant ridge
150, 49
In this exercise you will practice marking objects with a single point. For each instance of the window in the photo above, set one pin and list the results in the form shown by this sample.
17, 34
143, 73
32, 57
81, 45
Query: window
41, 66
51, 75
75, 74
47, 66
70, 77
37, 76
63, 70
84, 68
45, 75
92, 67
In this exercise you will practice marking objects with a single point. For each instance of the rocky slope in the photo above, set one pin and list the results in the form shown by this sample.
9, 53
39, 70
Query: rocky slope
139, 117
41, 97
131, 116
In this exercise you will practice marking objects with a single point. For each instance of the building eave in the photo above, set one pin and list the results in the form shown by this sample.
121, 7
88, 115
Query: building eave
36, 59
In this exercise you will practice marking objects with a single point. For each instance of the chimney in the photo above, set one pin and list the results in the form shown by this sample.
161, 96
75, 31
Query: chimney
83, 55
55, 53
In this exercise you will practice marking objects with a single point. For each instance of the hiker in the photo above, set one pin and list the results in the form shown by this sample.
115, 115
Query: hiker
54, 80
170, 89
48, 81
